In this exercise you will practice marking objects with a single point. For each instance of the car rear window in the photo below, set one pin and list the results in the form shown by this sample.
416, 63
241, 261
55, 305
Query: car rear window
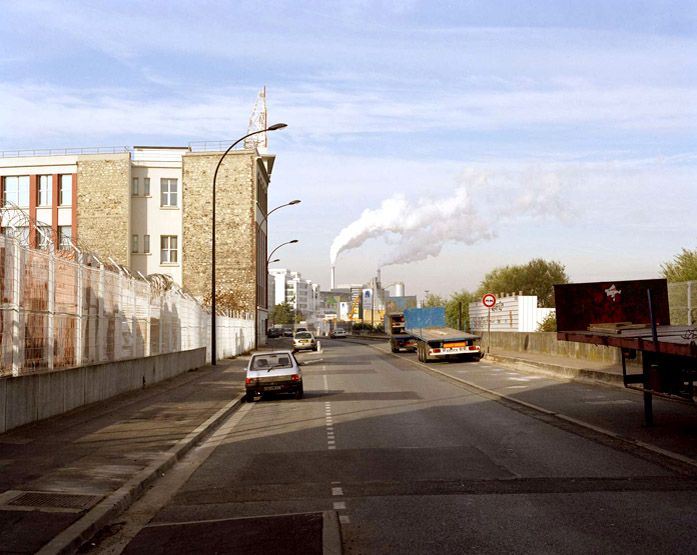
269, 361
303, 335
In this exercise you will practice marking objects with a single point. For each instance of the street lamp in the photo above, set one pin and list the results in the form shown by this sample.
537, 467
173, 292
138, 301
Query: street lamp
269, 261
265, 302
214, 350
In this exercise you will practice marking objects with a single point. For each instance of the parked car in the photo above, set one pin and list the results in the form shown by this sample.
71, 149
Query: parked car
274, 332
300, 329
338, 333
304, 340
287, 333
273, 372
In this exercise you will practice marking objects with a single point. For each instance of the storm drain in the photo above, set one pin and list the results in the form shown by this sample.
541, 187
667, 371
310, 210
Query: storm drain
41, 500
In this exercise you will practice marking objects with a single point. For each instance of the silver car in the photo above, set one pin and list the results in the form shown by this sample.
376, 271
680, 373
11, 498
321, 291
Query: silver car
304, 340
273, 372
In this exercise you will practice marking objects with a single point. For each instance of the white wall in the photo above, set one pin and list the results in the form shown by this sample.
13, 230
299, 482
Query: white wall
511, 313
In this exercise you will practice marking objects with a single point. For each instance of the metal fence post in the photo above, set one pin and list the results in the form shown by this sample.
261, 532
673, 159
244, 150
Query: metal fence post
102, 354
80, 323
17, 315
51, 310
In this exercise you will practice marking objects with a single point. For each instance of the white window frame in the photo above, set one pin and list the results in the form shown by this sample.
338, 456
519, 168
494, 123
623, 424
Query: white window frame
63, 239
65, 189
169, 191
134, 187
169, 249
19, 194
44, 190
134, 243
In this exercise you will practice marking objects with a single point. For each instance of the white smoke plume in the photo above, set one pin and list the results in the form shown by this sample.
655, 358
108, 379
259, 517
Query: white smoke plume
419, 229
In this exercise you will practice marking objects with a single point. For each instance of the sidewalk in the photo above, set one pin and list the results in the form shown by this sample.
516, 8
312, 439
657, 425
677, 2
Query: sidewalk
562, 366
63, 478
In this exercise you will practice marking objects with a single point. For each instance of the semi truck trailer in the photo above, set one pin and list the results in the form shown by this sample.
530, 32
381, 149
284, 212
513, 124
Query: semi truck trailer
436, 341
399, 339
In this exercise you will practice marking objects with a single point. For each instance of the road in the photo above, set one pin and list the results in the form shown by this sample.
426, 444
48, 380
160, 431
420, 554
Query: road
411, 462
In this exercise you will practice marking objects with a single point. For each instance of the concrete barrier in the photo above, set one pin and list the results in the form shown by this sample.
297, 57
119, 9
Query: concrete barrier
25, 399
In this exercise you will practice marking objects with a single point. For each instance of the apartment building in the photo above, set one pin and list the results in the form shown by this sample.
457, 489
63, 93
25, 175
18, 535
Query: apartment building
149, 209
301, 294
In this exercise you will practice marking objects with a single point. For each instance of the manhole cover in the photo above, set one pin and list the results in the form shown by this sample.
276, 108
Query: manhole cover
42, 500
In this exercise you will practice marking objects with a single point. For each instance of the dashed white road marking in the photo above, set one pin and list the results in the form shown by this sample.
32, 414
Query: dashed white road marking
344, 519
337, 491
339, 505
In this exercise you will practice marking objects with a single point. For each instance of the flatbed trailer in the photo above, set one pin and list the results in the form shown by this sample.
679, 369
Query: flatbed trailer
399, 339
634, 317
436, 341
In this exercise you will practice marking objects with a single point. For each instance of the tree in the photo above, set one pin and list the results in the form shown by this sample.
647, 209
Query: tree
457, 309
537, 277
432, 300
549, 323
682, 268
282, 313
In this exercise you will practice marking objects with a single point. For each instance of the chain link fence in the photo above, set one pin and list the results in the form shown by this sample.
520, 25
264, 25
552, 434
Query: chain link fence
682, 298
57, 313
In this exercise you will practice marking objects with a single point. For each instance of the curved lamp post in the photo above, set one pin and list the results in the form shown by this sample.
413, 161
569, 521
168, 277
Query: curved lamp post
214, 350
269, 261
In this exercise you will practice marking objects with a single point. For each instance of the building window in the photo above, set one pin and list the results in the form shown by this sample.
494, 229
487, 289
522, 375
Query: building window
168, 192
15, 190
65, 192
65, 233
134, 243
168, 249
146, 186
146, 244
43, 236
134, 187
45, 190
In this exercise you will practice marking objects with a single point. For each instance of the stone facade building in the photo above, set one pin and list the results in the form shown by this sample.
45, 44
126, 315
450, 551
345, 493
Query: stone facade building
149, 209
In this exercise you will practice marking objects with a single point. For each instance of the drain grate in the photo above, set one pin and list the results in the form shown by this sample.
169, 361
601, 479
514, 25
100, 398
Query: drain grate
43, 500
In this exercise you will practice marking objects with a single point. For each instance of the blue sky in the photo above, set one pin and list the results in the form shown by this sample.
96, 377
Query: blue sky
459, 136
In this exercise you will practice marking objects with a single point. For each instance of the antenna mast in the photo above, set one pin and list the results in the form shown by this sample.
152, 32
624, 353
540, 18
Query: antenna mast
258, 121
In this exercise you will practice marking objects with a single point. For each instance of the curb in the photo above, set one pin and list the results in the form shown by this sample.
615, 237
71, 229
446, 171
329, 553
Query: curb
597, 429
70, 539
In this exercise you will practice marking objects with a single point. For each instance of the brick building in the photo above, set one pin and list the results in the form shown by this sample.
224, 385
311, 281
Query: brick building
149, 209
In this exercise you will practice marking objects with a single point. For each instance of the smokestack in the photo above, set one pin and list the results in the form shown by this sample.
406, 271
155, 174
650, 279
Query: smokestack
332, 278
379, 280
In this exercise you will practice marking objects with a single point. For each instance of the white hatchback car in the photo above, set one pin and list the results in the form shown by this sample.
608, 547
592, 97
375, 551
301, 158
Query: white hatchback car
303, 340
273, 372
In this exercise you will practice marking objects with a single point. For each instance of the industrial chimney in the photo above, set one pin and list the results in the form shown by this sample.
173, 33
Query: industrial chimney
332, 278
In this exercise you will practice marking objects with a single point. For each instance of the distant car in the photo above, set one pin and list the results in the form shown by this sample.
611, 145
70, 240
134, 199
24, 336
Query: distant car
338, 333
287, 333
273, 372
300, 329
274, 332
304, 340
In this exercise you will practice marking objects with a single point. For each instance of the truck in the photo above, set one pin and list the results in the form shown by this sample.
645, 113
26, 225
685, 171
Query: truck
436, 341
634, 316
399, 339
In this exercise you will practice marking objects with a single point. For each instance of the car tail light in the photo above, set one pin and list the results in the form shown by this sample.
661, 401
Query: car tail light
250, 381
295, 377
435, 350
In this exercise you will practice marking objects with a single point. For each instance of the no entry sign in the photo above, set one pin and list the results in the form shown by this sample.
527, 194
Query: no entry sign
489, 300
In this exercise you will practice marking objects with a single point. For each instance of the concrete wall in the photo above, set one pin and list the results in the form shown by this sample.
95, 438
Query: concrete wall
25, 399
547, 343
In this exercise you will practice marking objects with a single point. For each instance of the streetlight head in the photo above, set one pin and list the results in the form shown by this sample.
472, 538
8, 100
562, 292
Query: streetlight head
293, 241
296, 201
276, 126
274, 260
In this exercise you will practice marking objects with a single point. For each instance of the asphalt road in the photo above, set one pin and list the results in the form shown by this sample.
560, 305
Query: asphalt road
411, 462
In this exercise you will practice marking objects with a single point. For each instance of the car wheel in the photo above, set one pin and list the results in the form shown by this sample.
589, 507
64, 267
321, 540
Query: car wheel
299, 393
249, 397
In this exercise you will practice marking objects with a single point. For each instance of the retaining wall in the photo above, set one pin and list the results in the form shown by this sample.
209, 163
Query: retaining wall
547, 343
25, 399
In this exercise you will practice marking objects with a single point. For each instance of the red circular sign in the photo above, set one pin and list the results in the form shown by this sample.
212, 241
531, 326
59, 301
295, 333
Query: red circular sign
489, 300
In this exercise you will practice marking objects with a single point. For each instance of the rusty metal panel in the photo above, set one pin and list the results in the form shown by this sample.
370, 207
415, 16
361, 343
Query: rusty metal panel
581, 304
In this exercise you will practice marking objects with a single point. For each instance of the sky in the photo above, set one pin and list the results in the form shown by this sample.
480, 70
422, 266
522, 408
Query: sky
434, 140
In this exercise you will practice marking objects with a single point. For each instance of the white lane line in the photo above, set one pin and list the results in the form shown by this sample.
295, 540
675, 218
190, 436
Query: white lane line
339, 505
331, 447
337, 491
344, 519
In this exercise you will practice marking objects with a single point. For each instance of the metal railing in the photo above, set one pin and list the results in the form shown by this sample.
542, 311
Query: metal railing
63, 151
